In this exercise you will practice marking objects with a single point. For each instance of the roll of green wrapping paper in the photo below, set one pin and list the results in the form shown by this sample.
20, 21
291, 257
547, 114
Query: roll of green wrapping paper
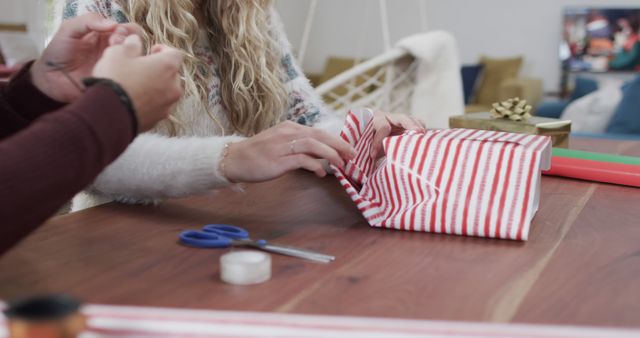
587, 155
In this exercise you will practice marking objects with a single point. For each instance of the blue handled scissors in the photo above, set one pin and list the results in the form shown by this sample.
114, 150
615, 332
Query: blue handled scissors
225, 235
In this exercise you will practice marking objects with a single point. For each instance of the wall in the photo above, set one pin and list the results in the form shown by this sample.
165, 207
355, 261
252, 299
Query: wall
492, 27
31, 12
12, 11
347, 27
508, 27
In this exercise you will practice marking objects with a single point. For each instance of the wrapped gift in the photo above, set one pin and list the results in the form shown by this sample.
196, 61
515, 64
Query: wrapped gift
557, 129
458, 181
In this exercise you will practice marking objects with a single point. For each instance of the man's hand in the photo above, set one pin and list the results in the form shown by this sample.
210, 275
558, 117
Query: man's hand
75, 50
152, 82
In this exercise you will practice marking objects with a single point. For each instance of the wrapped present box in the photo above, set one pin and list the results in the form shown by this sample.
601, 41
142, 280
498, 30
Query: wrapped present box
557, 129
459, 181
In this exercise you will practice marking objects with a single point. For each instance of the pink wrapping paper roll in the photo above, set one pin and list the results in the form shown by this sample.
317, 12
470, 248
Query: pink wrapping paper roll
458, 181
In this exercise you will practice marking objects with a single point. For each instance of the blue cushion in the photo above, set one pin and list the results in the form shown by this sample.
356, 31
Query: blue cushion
584, 86
470, 75
552, 109
626, 118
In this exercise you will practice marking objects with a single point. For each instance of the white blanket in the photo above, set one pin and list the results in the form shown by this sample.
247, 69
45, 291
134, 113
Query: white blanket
592, 112
438, 92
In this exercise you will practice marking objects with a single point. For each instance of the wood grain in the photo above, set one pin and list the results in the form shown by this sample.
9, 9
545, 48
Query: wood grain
580, 265
594, 277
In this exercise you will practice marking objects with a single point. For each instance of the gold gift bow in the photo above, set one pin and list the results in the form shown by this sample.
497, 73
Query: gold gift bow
515, 109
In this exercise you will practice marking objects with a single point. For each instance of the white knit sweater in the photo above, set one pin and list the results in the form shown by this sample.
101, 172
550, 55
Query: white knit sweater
157, 166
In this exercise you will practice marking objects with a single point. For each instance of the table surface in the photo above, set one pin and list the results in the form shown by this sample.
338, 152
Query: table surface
581, 265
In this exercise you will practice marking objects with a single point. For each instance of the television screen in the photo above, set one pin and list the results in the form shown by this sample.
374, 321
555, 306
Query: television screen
601, 40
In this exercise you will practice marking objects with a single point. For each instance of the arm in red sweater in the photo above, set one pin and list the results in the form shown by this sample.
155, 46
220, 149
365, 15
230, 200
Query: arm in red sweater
24, 101
45, 163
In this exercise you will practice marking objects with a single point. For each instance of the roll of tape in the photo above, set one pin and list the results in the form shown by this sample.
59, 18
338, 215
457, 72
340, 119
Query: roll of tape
245, 267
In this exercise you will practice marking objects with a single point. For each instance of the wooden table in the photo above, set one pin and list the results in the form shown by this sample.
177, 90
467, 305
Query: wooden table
581, 265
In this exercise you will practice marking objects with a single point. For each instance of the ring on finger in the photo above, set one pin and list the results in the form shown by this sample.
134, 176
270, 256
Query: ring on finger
292, 147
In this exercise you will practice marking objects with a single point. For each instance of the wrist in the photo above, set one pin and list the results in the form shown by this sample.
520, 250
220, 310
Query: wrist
38, 103
122, 95
47, 79
39, 80
224, 163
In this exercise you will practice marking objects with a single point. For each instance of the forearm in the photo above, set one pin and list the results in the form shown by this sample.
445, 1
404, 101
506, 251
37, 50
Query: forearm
23, 102
155, 167
44, 165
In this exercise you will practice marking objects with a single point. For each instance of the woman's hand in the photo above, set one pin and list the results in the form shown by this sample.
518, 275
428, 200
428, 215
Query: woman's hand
74, 51
390, 124
285, 147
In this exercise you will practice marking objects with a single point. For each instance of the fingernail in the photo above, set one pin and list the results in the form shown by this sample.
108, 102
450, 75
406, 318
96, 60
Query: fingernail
117, 39
132, 40
121, 30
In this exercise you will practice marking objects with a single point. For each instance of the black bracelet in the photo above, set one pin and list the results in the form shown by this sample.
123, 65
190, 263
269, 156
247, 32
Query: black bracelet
122, 95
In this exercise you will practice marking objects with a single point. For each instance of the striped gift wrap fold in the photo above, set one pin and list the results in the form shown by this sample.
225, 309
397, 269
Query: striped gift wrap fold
127, 321
456, 181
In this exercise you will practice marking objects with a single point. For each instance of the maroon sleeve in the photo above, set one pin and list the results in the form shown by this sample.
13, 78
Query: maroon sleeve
23, 102
57, 155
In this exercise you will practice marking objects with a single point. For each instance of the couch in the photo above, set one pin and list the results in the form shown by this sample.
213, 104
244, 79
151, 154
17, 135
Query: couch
554, 108
609, 112
493, 80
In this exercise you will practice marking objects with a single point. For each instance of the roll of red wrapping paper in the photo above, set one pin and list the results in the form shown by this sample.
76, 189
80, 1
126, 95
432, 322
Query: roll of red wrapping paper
597, 171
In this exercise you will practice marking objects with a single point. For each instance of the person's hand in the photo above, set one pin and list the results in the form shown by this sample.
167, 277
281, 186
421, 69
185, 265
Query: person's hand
74, 50
389, 124
285, 147
152, 82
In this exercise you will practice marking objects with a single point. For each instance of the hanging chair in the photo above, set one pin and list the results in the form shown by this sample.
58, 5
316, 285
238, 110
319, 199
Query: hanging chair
384, 82
419, 77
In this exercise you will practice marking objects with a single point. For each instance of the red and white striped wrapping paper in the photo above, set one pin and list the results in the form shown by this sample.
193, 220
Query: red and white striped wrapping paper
122, 321
458, 181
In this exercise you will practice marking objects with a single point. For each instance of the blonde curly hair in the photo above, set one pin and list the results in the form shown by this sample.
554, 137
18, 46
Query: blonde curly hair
247, 55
